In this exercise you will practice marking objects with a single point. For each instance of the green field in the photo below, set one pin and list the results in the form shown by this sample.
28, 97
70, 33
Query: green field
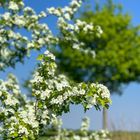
125, 135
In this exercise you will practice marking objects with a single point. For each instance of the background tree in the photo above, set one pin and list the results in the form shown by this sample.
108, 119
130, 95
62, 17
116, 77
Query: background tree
117, 51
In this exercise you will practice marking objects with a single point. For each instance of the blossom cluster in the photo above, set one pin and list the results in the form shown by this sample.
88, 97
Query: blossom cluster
68, 11
53, 95
56, 92
81, 134
17, 17
52, 92
69, 34
15, 45
16, 112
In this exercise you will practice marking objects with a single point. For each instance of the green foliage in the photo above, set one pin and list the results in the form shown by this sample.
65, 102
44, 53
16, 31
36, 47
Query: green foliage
117, 51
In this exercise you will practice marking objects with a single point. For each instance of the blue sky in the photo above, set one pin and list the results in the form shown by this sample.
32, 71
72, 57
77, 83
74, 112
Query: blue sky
124, 112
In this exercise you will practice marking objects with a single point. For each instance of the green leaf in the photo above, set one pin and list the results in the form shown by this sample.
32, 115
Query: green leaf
40, 57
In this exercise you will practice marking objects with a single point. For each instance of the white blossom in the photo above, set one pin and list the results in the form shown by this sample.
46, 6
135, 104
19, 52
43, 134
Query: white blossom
20, 21
103, 90
23, 130
54, 11
13, 6
42, 14
10, 101
6, 16
67, 16
50, 55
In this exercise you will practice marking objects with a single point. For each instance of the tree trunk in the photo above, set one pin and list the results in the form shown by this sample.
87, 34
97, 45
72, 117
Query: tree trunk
105, 119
